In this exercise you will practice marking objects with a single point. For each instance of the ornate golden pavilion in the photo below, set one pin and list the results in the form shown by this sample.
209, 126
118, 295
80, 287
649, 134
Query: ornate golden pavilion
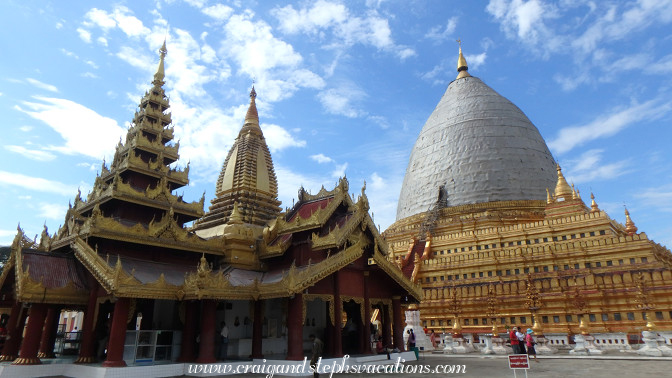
125, 253
491, 229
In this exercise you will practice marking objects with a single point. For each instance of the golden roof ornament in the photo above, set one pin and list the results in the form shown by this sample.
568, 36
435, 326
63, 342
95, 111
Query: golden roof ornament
630, 227
235, 217
562, 189
548, 196
462, 67
160, 73
593, 204
252, 114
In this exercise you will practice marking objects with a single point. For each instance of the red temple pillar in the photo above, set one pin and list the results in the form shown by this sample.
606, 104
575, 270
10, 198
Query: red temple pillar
87, 349
206, 348
396, 322
31, 342
187, 352
295, 328
338, 310
115, 348
49, 333
367, 316
387, 340
257, 330
14, 331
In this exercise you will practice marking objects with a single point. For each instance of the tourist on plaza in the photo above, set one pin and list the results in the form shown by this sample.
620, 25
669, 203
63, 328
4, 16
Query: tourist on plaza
318, 347
515, 343
411, 340
433, 338
521, 340
224, 341
529, 343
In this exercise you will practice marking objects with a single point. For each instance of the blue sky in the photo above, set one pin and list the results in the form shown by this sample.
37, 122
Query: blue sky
344, 87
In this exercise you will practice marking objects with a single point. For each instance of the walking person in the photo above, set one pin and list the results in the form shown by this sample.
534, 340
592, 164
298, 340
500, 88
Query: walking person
529, 343
318, 347
521, 340
515, 343
224, 341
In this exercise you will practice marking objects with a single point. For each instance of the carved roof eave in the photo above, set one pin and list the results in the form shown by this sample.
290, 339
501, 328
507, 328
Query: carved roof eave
275, 250
216, 286
393, 271
100, 226
205, 284
153, 168
337, 236
150, 197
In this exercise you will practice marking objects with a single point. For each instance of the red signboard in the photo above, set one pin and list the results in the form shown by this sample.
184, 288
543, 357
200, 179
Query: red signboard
519, 361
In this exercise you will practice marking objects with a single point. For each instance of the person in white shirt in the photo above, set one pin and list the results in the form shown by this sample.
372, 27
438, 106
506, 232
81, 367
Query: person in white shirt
224, 345
521, 340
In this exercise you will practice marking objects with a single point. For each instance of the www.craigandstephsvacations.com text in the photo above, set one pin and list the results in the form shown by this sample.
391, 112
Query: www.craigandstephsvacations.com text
334, 367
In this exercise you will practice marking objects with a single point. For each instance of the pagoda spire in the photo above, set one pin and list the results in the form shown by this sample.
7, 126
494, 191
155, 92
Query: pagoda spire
462, 67
593, 204
562, 189
630, 227
160, 73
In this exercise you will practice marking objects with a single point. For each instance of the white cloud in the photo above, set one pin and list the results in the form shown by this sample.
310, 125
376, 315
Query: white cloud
321, 158
59, 25
341, 100
26, 129
36, 184
608, 125
90, 75
84, 34
440, 33
219, 12
83, 130
475, 61
120, 17
52, 211
277, 138
41, 85
32, 154
346, 28
588, 167
102, 41
339, 170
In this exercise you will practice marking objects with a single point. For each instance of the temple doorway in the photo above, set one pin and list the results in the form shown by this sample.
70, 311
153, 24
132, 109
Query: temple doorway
351, 337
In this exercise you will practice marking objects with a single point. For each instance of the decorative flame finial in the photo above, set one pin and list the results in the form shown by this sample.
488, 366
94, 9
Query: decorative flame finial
593, 204
462, 67
160, 73
562, 189
630, 227
252, 115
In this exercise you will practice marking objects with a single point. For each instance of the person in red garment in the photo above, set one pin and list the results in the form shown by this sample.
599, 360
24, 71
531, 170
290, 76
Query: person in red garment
515, 344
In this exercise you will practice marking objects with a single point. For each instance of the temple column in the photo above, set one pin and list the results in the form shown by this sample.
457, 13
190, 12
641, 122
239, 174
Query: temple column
31, 342
338, 310
187, 352
206, 347
397, 323
295, 328
367, 316
14, 331
87, 349
257, 330
387, 340
329, 333
49, 333
115, 348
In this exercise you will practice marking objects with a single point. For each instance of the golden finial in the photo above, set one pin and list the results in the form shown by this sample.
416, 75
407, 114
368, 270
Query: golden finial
573, 192
235, 217
462, 67
562, 189
548, 196
630, 227
252, 115
593, 204
160, 73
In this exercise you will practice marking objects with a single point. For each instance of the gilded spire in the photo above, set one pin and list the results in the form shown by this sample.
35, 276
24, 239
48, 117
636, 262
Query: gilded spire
462, 67
548, 196
252, 115
562, 189
593, 204
160, 73
630, 227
